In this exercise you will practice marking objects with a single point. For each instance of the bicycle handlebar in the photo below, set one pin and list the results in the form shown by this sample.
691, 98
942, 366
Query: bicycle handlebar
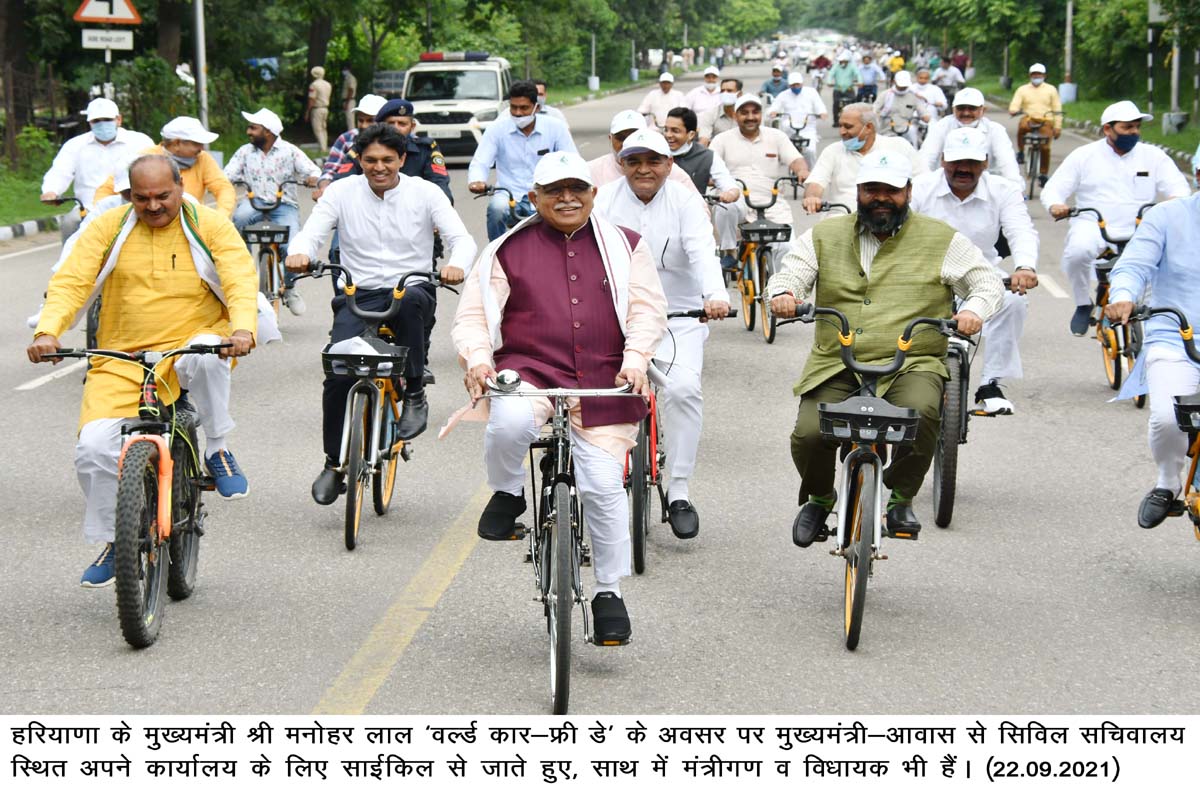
830, 206
1143, 313
264, 205
790, 178
807, 312
698, 313
489, 191
508, 383
144, 357
320, 268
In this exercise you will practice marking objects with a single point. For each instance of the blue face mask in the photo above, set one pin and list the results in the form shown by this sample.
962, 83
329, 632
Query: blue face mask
105, 131
854, 145
1126, 141
797, 89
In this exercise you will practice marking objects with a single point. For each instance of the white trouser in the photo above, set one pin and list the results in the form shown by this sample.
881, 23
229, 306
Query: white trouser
599, 479
1083, 246
1002, 353
207, 379
1169, 372
726, 217
681, 402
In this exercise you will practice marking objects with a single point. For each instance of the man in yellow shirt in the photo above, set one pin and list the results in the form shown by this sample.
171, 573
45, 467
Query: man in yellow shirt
170, 273
1042, 108
183, 140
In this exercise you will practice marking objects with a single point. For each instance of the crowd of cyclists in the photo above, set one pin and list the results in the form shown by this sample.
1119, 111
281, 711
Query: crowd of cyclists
921, 168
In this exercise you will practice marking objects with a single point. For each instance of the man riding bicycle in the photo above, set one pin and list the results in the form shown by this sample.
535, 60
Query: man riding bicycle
900, 107
385, 222
882, 267
1115, 175
1042, 107
673, 223
802, 106
170, 272
968, 113
264, 164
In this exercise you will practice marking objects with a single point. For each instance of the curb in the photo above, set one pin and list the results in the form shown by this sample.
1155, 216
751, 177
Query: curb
28, 228
642, 84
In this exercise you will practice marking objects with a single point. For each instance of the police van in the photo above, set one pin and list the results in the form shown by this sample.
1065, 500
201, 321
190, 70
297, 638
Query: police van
456, 96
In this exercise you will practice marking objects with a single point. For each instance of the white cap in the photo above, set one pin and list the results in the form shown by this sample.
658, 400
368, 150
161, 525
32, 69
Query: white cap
903, 78
102, 108
627, 120
966, 144
1038, 67
795, 77
968, 97
712, 70
894, 169
666, 77
370, 105
843, 56
561, 166
1124, 111
746, 100
266, 118
645, 141
189, 129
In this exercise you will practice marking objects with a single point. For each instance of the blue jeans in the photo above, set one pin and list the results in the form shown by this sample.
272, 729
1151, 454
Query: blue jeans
497, 214
283, 214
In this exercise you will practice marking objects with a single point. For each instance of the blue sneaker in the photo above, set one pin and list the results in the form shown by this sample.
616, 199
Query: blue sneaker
729, 263
231, 483
100, 573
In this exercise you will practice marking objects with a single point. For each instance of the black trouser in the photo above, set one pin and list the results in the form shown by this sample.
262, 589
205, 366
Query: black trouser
408, 329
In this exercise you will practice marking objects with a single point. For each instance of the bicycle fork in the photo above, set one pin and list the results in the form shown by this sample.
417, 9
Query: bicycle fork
374, 394
850, 464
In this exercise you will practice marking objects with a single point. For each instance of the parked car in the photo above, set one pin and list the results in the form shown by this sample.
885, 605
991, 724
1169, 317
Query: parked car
755, 53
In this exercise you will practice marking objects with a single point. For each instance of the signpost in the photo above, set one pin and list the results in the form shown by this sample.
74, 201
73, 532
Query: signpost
109, 12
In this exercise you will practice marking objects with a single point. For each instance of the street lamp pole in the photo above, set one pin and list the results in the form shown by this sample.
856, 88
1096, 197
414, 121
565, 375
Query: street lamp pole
201, 65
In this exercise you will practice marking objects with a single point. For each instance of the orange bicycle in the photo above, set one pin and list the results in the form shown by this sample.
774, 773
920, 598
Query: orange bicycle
756, 262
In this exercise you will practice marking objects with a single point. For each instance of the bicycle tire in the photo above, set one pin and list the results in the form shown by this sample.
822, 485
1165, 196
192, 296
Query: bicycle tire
560, 598
1134, 338
383, 484
1111, 352
266, 273
356, 469
864, 526
639, 496
746, 288
186, 521
93, 324
1034, 164
138, 561
768, 321
945, 455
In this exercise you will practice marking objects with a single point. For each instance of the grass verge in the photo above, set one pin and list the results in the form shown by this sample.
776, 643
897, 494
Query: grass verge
19, 199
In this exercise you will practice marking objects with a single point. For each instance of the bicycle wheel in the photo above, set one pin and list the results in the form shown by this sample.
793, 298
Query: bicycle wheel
945, 456
864, 524
93, 324
746, 287
766, 269
139, 558
266, 278
357, 472
560, 598
639, 495
186, 509
1033, 163
384, 482
1111, 352
1134, 336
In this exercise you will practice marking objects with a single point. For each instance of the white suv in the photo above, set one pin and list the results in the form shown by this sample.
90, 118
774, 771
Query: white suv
455, 97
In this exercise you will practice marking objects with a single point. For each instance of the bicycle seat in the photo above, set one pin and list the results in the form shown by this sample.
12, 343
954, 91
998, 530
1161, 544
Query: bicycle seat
763, 231
265, 233
867, 420
1187, 413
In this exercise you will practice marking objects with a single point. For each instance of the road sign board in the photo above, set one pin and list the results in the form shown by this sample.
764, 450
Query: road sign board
113, 12
102, 39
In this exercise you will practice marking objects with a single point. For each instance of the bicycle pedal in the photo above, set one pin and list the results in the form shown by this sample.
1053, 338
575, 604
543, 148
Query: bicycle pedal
406, 452
906, 535
1178, 509
613, 642
206, 483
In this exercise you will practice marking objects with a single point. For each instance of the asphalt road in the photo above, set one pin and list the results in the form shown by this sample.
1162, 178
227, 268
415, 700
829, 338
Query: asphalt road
1043, 597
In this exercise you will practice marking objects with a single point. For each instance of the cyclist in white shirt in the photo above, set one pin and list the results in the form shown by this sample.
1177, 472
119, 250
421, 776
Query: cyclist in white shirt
674, 224
707, 95
968, 113
931, 94
1115, 175
798, 110
659, 101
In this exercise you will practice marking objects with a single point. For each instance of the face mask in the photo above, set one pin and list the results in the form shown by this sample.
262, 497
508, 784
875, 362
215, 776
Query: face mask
797, 89
854, 145
183, 163
901, 91
523, 122
973, 124
728, 98
541, 103
105, 131
711, 87
1126, 141
682, 150
1036, 81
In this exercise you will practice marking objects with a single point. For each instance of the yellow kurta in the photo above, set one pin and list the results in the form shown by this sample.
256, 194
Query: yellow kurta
204, 175
154, 299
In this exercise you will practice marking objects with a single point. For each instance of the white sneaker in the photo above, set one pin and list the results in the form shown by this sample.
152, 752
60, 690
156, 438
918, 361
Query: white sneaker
294, 302
991, 400
33, 321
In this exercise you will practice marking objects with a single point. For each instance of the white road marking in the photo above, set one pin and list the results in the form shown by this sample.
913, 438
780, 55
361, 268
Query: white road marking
1051, 286
29, 250
53, 376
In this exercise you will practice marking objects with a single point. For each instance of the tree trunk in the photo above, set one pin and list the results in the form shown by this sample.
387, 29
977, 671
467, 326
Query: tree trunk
320, 29
170, 21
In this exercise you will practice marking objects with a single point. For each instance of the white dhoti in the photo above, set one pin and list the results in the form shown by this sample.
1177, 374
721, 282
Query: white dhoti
207, 379
1169, 372
1083, 246
1002, 337
681, 402
726, 217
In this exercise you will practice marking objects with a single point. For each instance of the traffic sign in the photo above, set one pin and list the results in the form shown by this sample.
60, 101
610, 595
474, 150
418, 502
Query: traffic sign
113, 12
102, 39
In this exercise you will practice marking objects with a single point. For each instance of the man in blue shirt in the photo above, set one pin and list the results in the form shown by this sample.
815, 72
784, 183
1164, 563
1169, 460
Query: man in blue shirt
1161, 258
513, 145
776, 83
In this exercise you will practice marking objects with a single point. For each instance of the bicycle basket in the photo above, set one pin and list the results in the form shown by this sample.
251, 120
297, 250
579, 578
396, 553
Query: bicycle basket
265, 233
367, 358
868, 420
1187, 413
762, 231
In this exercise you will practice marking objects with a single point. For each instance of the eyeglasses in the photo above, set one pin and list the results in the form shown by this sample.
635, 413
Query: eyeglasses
558, 189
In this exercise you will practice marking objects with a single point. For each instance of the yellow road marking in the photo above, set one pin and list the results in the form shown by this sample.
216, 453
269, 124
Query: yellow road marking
370, 666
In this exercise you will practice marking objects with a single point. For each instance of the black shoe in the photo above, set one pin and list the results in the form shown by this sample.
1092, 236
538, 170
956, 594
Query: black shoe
1020, 157
990, 399
1157, 506
499, 518
414, 417
427, 378
809, 526
328, 485
1042, 179
685, 521
902, 523
1080, 320
610, 620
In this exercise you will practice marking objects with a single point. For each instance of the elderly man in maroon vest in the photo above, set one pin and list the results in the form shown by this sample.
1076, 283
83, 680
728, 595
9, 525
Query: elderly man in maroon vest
568, 300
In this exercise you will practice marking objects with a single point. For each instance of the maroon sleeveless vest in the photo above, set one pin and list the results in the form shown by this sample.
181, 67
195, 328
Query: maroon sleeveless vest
560, 328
